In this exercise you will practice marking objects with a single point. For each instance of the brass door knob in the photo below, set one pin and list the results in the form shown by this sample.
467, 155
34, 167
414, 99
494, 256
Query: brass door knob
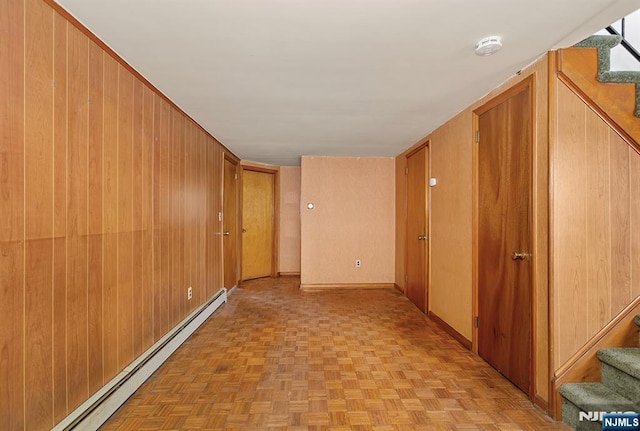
227, 233
519, 255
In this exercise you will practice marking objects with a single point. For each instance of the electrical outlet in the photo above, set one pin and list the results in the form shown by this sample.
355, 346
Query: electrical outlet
189, 293
358, 263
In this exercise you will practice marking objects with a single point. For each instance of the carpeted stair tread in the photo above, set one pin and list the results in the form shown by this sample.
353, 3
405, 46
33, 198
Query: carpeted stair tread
596, 397
625, 359
604, 43
600, 41
620, 77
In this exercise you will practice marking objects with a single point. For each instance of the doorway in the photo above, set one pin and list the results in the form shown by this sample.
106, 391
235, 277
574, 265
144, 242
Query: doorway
503, 234
230, 223
417, 233
258, 223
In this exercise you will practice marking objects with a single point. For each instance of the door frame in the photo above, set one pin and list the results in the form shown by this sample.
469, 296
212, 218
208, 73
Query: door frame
275, 171
235, 161
527, 84
427, 266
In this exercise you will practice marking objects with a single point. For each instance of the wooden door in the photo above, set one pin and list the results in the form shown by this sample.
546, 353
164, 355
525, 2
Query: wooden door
258, 191
230, 224
417, 228
504, 263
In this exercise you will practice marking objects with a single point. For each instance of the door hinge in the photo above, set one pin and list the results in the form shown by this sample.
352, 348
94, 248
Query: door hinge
406, 278
477, 136
406, 171
476, 321
235, 176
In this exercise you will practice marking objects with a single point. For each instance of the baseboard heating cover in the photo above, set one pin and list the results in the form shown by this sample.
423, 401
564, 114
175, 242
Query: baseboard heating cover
96, 410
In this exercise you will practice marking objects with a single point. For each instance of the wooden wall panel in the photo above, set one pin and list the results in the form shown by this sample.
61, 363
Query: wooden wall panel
595, 199
620, 224
598, 259
60, 219
110, 219
94, 247
12, 85
77, 157
158, 204
148, 273
634, 237
125, 217
38, 152
136, 246
116, 191
165, 223
174, 218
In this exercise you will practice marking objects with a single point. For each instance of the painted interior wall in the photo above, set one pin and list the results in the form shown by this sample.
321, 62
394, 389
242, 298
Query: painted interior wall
109, 199
353, 218
289, 260
451, 218
596, 243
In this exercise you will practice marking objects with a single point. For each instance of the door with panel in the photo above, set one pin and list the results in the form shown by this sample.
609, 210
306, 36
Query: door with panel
258, 224
417, 235
230, 223
504, 237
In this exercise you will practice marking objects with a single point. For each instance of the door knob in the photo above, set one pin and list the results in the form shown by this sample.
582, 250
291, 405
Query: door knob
519, 255
244, 231
227, 233
422, 237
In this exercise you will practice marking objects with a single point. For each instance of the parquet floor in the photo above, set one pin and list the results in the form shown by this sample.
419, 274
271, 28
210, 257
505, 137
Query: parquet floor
275, 358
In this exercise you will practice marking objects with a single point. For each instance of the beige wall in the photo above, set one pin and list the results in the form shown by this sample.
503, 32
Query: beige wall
451, 218
289, 220
451, 222
353, 218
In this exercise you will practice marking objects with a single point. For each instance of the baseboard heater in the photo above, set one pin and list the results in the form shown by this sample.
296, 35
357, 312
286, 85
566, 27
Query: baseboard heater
96, 410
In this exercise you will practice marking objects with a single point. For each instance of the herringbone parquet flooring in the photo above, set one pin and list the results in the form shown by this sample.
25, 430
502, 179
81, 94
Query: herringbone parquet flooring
275, 358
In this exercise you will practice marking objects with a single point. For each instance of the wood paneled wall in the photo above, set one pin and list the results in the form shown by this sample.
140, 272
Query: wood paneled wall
109, 198
596, 236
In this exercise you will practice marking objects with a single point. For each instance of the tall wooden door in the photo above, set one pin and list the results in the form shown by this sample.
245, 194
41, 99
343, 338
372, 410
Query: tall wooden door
258, 217
230, 224
417, 237
504, 239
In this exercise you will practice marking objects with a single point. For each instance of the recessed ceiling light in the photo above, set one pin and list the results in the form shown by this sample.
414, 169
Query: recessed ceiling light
488, 45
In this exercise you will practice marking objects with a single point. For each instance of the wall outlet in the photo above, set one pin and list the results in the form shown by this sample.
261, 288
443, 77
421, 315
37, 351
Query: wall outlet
358, 263
189, 293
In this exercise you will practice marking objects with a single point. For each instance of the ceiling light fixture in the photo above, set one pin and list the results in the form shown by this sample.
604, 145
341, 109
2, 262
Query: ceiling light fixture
488, 45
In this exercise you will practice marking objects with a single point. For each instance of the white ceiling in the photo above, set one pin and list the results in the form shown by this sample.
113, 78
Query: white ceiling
277, 79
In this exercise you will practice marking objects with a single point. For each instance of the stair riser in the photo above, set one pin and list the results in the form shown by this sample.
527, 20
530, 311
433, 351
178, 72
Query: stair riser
571, 415
621, 382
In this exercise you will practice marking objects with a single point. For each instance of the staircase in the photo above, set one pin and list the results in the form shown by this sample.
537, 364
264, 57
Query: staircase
618, 392
604, 44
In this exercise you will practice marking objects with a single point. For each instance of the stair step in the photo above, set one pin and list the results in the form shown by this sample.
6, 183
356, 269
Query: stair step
605, 43
621, 370
591, 397
625, 359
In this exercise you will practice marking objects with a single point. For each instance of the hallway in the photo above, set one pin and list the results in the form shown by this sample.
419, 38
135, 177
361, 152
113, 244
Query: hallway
280, 359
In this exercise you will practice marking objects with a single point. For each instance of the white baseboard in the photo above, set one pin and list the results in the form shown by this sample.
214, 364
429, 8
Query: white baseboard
96, 410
